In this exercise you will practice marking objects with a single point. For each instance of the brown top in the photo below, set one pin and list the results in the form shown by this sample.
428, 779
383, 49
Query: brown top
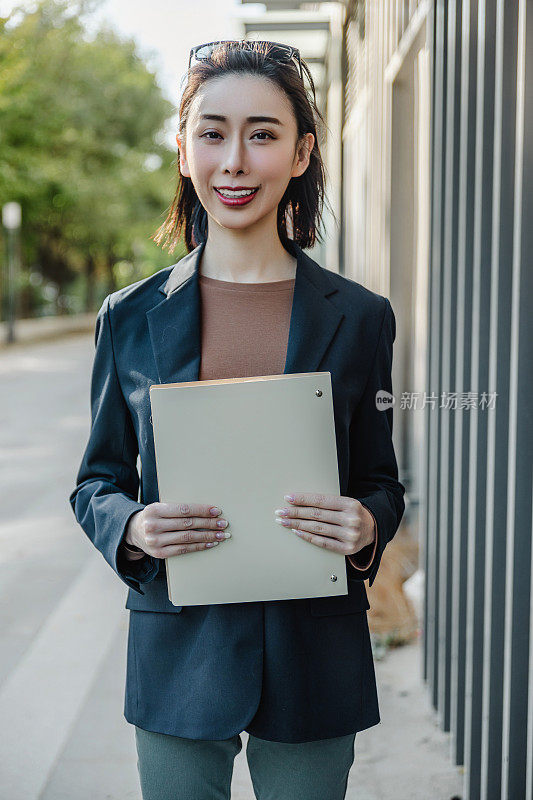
245, 327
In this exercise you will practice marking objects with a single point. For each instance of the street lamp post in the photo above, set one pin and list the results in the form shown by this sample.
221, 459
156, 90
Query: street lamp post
11, 218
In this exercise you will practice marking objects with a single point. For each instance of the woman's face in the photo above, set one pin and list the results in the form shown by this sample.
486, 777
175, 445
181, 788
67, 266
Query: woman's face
233, 151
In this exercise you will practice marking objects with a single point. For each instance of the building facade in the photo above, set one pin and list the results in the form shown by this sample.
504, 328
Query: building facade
438, 189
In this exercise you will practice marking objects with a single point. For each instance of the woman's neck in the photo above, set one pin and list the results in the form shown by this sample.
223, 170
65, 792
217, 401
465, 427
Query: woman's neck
247, 265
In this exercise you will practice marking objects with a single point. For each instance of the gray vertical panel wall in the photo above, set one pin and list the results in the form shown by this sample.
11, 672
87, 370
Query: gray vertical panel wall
424, 556
449, 324
427, 547
498, 422
518, 573
479, 346
465, 204
432, 477
478, 483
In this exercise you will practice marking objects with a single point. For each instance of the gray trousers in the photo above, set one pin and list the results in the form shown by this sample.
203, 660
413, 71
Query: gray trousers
172, 768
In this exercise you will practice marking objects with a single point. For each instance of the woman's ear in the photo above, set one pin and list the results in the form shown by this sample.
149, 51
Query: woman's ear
184, 167
303, 155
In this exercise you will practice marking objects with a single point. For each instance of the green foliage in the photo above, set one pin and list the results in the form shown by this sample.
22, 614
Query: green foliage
81, 150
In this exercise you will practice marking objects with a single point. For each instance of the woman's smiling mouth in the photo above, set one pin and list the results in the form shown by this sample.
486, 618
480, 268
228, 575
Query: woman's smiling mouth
236, 197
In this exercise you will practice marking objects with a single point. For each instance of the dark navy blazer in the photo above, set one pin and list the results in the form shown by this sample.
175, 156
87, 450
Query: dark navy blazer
286, 670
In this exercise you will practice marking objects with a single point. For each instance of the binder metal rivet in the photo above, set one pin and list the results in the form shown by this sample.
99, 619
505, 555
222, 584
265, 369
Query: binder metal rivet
333, 577
318, 392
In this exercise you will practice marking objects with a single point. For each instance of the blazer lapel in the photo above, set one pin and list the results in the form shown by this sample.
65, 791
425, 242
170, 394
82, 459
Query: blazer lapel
175, 323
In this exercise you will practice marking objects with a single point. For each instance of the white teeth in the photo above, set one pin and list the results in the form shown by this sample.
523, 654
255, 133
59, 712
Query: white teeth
239, 193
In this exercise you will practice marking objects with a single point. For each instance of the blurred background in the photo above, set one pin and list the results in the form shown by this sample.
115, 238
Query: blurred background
429, 161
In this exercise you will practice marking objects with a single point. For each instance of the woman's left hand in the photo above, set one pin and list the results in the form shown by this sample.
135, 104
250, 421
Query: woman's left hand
339, 523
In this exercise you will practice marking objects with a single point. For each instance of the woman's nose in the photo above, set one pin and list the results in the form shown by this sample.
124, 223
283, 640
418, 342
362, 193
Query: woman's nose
234, 158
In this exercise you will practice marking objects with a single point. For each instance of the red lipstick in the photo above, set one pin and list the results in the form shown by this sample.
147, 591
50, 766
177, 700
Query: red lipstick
236, 201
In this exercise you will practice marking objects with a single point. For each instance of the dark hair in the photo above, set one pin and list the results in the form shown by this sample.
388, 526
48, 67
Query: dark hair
301, 204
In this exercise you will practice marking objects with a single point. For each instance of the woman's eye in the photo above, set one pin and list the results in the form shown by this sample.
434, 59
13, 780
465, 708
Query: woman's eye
264, 133
259, 133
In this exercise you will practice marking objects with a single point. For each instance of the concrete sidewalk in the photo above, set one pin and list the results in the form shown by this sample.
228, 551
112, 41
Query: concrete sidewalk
41, 329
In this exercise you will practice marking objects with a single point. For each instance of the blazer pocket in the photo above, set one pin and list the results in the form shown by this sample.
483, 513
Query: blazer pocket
351, 603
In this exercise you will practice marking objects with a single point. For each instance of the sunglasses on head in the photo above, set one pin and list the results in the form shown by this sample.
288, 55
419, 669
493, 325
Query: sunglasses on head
278, 51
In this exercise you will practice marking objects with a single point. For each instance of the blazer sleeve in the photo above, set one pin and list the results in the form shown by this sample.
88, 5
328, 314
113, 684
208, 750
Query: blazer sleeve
373, 478
107, 484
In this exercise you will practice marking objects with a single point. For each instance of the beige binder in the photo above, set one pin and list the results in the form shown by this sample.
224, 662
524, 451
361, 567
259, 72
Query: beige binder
241, 444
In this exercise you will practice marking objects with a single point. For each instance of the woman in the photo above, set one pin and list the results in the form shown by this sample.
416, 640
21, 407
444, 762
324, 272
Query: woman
246, 300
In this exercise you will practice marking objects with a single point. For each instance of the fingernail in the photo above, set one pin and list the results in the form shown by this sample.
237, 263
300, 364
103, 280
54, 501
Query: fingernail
289, 497
283, 512
215, 511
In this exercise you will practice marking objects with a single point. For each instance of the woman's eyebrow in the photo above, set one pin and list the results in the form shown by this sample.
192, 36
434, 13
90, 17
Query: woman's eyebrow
220, 118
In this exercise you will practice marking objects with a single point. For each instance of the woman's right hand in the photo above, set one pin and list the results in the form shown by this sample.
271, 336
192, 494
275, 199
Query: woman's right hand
173, 529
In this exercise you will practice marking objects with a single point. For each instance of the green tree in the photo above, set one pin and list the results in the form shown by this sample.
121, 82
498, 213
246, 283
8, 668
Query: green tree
81, 149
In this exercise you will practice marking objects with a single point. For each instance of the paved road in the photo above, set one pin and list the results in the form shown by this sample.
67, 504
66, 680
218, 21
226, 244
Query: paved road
63, 625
